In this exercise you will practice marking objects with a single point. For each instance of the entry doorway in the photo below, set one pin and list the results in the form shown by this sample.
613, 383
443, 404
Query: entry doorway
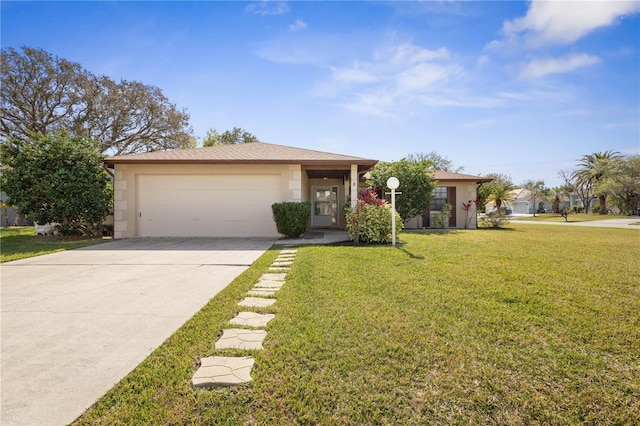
325, 210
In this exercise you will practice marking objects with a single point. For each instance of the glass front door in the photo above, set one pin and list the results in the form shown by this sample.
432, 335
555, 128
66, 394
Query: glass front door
325, 206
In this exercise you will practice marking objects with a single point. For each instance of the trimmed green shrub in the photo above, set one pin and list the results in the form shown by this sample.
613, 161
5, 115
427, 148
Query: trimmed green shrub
371, 223
495, 220
292, 218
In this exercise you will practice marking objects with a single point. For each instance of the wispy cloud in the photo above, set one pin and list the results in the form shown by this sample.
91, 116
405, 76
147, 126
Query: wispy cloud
480, 123
393, 76
542, 67
561, 22
298, 25
268, 8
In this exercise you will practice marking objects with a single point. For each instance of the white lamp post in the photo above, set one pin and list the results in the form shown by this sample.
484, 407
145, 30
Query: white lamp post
393, 183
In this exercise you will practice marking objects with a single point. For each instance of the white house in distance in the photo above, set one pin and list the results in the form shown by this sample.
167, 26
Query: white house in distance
228, 190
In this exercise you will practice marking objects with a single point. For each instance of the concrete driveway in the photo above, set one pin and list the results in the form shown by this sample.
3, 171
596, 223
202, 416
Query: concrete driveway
75, 323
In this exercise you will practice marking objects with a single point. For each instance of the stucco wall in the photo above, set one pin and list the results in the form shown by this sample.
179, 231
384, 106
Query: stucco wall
465, 191
126, 184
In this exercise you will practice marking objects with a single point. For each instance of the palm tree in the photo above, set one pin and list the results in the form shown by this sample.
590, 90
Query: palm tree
500, 194
594, 168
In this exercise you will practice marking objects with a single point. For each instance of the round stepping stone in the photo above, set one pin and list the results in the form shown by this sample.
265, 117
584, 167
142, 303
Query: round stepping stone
256, 302
240, 338
251, 319
223, 371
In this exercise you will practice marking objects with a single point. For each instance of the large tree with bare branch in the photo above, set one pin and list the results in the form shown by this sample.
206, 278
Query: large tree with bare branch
43, 94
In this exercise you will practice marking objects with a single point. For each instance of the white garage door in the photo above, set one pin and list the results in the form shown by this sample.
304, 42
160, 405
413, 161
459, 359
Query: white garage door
207, 205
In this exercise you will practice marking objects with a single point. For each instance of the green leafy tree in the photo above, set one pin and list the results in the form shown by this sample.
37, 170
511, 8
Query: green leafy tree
228, 137
623, 185
437, 161
416, 185
594, 169
538, 192
485, 190
41, 93
57, 178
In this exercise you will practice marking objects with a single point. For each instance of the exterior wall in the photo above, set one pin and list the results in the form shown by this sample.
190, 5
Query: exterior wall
465, 191
126, 183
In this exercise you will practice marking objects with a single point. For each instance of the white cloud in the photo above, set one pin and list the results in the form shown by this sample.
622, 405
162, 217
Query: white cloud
353, 75
543, 67
480, 123
483, 60
268, 8
298, 25
562, 22
396, 75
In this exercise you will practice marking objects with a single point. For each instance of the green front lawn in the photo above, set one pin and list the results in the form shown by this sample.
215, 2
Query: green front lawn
517, 326
573, 217
19, 242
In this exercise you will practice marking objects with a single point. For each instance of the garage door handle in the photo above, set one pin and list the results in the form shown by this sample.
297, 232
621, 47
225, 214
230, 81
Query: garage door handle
140, 214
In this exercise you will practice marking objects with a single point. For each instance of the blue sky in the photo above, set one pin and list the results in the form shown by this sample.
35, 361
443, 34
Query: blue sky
519, 88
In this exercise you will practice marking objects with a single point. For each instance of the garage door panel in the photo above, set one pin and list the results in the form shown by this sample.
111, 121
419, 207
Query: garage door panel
205, 213
207, 205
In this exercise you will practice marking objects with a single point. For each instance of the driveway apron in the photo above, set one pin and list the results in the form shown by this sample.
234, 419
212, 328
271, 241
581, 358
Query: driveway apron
74, 323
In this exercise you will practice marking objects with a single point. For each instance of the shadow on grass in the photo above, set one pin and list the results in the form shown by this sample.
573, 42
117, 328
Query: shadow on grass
411, 255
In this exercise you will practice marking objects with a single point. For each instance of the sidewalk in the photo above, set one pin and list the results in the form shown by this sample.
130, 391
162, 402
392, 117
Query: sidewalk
625, 223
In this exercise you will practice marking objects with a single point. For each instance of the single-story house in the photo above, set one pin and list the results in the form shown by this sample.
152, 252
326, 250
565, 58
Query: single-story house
228, 190
458, 190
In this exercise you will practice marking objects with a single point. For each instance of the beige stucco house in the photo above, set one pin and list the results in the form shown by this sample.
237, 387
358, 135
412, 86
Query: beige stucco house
228, 190
454, 189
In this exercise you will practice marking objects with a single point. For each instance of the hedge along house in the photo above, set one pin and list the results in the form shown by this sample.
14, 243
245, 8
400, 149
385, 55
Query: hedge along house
455, 189
228, 190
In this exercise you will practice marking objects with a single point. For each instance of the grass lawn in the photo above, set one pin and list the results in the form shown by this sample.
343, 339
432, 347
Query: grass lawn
517, 326
19, 242
573, 217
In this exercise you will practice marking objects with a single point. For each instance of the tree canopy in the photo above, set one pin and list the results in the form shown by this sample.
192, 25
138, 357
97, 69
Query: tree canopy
538, 191
416, 185
437, 162
500, 186
228, 137
41, 93
594, 169
57, 178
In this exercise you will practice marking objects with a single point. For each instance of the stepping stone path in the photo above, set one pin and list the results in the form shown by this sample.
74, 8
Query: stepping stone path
262, 292
256, 302
252, 319
223, 371
241, 338
229, 370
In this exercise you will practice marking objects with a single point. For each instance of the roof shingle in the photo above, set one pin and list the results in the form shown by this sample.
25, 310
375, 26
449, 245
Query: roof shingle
253, 152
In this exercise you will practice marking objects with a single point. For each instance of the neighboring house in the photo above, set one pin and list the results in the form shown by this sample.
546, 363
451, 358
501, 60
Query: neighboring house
228, 190
455, 189
522, 203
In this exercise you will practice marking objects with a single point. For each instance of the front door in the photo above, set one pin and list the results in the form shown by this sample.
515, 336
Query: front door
325, 206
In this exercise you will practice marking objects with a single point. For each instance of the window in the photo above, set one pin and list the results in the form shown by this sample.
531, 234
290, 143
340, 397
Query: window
439, 198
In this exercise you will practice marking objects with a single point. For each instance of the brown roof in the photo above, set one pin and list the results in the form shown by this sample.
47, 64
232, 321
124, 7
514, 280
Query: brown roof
450, 176
246, 153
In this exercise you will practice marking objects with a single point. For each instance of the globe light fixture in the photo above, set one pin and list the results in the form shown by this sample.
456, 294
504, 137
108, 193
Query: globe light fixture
393, 183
